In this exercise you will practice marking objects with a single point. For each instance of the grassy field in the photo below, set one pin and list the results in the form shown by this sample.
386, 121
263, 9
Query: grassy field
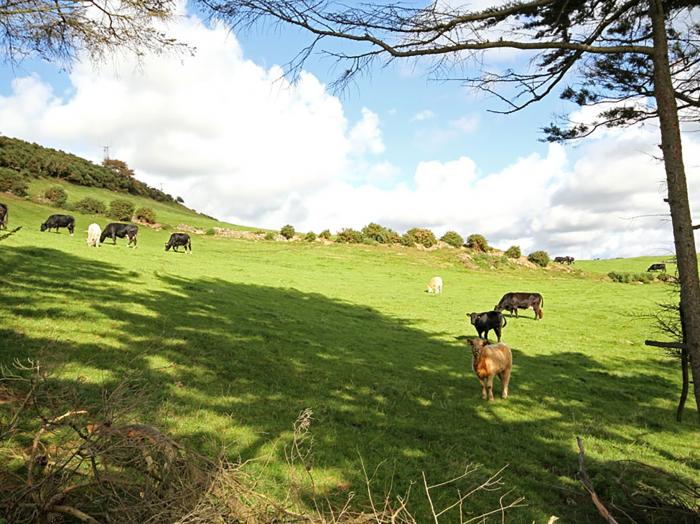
235, 340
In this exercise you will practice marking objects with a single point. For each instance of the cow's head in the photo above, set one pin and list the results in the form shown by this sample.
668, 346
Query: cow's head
44, 226
472, 317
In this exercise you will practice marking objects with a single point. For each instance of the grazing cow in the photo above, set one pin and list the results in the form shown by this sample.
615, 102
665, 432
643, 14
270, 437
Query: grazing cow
657, 267
511, 302
435, 285
564, 260
116, 229
93, 238
484, 322
489, 360
177, 240
3, 216
56, 221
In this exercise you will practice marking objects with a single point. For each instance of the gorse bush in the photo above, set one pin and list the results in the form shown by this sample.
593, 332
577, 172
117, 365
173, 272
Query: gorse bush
146, 214
419, 235
477, 242
325, 234
12, 181
287, 231
121, 209
380, 234
349, 236
269, 235
626, 278
210, 232
56, 195
541, 258
90, 206
310, 236
452, 238
513, 252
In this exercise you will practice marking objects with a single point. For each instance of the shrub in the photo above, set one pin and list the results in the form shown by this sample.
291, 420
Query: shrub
325, 234
90, 206
626, 278
477, 242
121, 209
310, 236
12, 181
210, 232
513, 252
419, 235
380, 234
453, 238
146, 214
349, 236
56, 195
270, 235
180, 200
287, 231
541, 258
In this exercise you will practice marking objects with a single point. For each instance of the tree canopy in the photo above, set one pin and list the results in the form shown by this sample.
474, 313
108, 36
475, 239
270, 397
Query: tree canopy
58, 30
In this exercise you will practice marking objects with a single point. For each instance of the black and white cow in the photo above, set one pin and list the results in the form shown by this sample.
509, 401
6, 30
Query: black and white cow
116, 229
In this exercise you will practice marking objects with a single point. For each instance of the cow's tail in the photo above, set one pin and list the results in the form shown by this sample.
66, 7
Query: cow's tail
505, 322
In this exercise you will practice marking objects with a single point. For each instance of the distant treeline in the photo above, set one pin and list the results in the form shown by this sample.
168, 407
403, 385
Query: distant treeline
28, 160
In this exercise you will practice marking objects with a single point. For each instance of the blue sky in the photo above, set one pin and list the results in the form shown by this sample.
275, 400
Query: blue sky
397, 147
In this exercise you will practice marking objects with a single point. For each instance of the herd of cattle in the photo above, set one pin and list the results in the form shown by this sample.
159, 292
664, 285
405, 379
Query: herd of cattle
97, 236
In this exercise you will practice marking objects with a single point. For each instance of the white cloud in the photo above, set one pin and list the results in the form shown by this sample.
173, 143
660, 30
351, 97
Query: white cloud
425, 114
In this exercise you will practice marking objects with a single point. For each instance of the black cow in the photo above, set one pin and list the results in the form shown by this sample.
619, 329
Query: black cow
657, 267
511, 302
177, 240
564, 260
3, 216
115, 229
484, 322
56, 221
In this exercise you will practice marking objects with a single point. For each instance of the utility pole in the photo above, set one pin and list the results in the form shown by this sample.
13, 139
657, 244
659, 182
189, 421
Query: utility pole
105, 152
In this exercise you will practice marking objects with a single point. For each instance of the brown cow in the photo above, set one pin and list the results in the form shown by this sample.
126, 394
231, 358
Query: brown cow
489, 360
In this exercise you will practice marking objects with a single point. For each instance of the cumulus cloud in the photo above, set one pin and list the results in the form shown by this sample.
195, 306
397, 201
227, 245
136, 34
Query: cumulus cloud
238, 142
425, 114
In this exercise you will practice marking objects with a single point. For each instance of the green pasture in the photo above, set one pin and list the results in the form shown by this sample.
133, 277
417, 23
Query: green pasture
232, 342
625, 265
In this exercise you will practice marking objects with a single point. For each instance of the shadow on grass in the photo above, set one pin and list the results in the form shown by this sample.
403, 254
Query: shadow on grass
234, 364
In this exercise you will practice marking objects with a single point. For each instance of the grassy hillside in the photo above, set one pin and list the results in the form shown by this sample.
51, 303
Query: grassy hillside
630, 265
232, 342
167, 213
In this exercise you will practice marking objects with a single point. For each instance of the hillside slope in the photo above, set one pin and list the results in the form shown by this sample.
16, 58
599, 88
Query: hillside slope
231, 343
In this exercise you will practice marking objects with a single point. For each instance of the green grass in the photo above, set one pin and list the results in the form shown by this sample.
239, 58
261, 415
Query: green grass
233, 341
625, 265
166, 213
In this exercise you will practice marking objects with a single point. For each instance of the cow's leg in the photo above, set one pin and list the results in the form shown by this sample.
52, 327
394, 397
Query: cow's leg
489, 386
483, 389
505, 379
486, 335
498, 333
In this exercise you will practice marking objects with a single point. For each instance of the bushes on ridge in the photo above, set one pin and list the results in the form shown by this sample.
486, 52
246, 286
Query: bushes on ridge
419, 235
513, 252
349, 236
90, 206
146, 214
453, 238
380, 234
287, 231
12, 181
325, 234
121, 209
477, 242
541, 258
56, 195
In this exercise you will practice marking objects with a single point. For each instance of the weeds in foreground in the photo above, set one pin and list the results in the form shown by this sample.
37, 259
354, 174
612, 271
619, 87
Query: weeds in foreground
94, 463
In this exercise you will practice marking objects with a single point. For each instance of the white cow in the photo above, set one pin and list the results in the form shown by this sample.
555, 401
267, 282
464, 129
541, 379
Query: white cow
94, 233
435, 285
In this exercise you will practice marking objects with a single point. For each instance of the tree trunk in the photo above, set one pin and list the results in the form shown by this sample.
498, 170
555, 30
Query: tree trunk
683, 237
